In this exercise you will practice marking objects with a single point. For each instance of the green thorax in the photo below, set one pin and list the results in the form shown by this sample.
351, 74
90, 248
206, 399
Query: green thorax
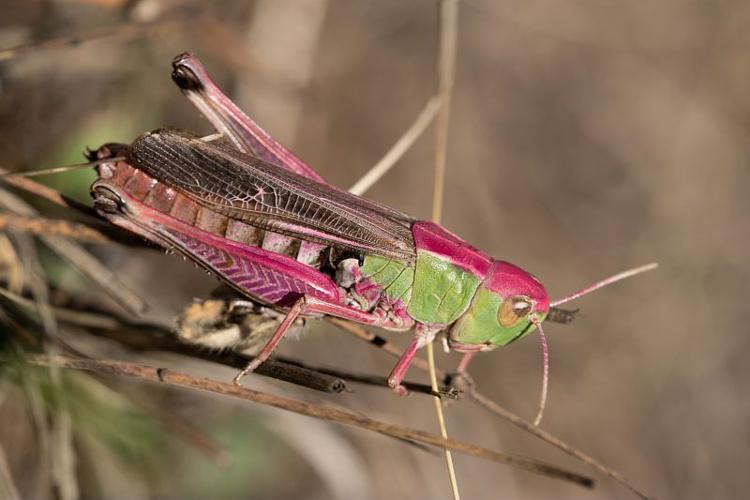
434, 290
396, 277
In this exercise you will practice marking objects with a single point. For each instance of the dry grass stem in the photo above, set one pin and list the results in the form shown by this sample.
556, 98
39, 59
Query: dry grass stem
6, 478
42, 226
446, 68
63, 41
398, 150
491, 406
177, 379
76, 255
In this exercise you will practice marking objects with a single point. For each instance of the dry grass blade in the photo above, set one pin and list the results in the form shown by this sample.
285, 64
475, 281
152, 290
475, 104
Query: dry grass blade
64, 168
62, 453
6, 478
177, 379
492, 407
10, 263
178, 425
446, 64
42, 226
75, 254
22, 182
37, 189
158, 338
498, 410
41, 425
64, 456
35, 279
153, 337
446, 72
398, 150
123, 31
94, 270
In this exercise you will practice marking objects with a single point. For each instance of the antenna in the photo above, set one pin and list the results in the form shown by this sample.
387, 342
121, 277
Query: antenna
607, 281
543, 338
545, 375
78, 166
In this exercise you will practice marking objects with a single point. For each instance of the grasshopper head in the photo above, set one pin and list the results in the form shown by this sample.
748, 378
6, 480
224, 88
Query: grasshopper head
507, 306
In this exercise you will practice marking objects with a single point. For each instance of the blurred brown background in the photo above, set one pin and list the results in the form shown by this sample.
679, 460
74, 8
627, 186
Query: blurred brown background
586, 137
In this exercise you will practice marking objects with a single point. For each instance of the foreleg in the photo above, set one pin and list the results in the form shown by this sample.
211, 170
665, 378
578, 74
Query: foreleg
424, 335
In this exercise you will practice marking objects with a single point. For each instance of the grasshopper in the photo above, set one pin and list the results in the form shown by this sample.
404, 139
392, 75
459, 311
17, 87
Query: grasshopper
249, 211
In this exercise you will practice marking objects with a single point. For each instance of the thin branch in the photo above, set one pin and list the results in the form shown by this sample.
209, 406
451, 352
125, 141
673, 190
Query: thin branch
88, 265
41, 426
59, 451
42, 226
491, 406
184, 429
177, 379
284, 370
446, 66
97, 272
495, 408
381, 381
9, 485
35, 279
62, 41
398, 149
446, 75
42, 191
63, 453
155, 337
109, 231
11, 264
63, 168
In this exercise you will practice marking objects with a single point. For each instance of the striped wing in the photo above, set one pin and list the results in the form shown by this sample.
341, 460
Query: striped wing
264, 195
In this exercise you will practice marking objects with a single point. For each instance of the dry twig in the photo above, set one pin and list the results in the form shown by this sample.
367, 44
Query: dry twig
183, 380
155, 337
398, 150
42, 226
446, 69
364, 334
124, 31
491, 406
73, 253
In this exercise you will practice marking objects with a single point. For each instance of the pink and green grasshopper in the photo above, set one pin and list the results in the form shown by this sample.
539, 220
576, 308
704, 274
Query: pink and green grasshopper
267, 224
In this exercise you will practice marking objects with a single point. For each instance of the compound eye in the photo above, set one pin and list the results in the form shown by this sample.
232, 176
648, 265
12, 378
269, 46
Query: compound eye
514, 310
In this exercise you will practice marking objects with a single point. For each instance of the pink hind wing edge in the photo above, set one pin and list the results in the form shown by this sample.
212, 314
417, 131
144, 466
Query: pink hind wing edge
274, 278
225, 114
256, 273
277, 278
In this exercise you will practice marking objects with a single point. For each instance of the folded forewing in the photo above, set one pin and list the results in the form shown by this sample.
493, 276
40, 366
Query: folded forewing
267, 196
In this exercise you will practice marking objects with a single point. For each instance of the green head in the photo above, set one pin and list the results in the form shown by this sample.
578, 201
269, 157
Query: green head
506, 307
